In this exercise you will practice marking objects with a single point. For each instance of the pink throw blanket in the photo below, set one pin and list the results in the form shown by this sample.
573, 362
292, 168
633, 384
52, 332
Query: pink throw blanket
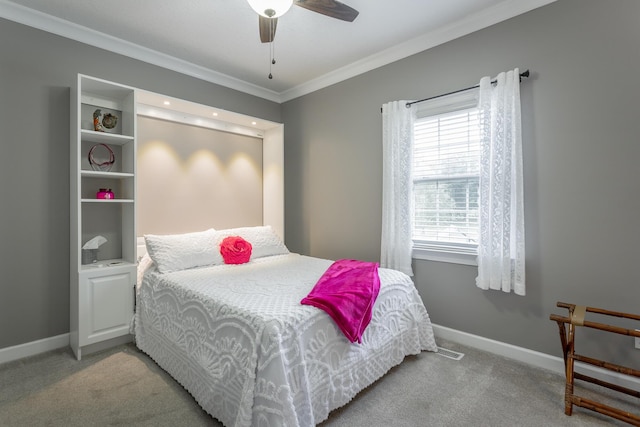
347, 292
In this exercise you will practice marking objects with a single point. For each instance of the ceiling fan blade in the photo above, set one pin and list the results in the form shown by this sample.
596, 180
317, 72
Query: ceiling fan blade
331, 8
267, 28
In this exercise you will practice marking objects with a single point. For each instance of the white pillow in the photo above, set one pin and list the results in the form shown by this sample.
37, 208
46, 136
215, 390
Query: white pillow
264, 241
175, 252
144, 264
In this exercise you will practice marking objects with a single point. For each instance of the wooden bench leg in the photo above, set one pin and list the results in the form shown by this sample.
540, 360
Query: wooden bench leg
569, 362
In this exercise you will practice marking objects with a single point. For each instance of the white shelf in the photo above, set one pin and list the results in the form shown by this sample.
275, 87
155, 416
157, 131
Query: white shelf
110, 175
105, 264
101, 293
104, 137
107, 200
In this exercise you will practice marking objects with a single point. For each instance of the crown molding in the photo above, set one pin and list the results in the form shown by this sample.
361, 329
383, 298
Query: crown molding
61, 27
485, 18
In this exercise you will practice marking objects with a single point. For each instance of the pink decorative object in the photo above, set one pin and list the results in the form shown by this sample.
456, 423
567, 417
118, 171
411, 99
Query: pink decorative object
347, 292
235, 250
105, 193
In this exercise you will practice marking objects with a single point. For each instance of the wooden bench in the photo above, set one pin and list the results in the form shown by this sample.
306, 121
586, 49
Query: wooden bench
567, 326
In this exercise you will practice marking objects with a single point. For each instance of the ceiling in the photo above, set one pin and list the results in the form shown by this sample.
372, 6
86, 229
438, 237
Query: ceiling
218, 41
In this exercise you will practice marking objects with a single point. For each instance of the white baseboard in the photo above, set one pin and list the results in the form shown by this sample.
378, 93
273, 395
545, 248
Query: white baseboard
103, 345
531, 357
20, 351
521, 354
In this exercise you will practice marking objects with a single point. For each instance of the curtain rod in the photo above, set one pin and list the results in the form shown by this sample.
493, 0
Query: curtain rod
525, 73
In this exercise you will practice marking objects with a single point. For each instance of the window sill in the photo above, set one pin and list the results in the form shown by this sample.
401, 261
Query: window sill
465, 258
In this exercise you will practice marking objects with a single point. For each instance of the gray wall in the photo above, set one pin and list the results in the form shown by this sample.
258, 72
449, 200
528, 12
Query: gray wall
581, 150
36, 71
581, 179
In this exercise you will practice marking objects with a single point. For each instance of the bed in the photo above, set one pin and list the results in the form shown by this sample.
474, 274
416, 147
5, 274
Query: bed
239, 340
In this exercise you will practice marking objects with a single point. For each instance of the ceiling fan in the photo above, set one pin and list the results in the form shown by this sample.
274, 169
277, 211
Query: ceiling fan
270, 10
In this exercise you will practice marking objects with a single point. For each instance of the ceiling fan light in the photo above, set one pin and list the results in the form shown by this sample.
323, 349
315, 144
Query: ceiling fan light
270, 8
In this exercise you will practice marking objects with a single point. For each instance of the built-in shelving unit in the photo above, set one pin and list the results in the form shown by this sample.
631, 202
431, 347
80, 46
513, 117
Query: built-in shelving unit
102, 292
102, 286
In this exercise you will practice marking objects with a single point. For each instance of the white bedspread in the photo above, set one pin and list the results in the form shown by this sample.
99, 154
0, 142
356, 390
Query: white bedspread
238, 339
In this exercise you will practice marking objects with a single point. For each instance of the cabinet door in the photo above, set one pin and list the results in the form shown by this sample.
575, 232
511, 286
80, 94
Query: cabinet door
108, 306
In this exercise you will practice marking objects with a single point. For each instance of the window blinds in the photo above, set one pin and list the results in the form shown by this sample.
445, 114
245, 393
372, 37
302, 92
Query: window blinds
446, 177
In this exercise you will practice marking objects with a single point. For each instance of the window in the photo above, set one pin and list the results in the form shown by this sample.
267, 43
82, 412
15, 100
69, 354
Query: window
446, 174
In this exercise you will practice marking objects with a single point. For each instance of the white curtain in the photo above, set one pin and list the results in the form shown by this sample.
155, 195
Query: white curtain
501, 246
397, 183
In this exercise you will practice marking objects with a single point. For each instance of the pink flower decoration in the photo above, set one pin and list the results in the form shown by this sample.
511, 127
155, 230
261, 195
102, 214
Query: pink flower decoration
235, 250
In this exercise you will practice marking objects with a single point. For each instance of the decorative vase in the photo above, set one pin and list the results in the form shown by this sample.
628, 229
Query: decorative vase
96, 121
105, 193
109, 121
101, 158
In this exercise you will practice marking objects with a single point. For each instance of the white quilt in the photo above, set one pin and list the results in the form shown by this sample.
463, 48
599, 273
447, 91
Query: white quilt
238, 339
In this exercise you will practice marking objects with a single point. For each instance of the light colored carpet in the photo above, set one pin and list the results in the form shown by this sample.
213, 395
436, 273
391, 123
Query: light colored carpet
122, 386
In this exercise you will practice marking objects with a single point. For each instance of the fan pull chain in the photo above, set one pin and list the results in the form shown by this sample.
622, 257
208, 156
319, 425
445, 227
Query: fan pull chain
271, 50
273, 59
